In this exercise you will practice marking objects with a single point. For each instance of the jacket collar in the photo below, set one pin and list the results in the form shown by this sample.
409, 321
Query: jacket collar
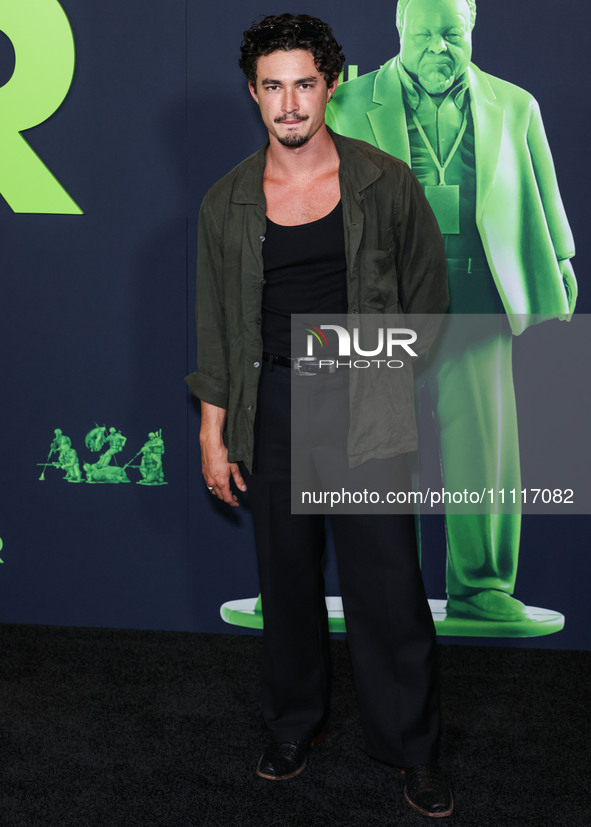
361, 171
388, 121
249, 183
489, 116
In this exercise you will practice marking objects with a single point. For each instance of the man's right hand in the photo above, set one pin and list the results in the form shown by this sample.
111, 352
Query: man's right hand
217, 471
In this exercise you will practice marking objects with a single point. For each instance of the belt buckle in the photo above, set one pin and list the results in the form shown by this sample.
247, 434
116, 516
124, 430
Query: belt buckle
313, 365
297, 365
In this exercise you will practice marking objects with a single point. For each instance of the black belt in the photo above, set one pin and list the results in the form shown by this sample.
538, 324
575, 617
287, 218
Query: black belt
277, 360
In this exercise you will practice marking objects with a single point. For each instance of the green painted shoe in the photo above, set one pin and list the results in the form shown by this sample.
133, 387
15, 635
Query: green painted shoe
490, 604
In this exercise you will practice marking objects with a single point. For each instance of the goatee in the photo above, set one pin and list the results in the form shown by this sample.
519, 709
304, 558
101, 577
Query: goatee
293, 140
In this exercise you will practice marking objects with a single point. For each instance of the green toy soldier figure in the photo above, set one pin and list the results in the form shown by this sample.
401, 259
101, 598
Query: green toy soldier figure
151, 464
116, 442
60, 441
69, 462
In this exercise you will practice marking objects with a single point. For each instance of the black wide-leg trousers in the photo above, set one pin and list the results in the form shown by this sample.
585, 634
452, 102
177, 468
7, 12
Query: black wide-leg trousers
389, 625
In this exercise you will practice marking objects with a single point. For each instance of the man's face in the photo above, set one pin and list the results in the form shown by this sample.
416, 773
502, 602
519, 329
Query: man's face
292, 96
436, 42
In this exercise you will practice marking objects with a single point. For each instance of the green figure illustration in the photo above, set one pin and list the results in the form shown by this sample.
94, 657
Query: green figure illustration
116, 442
69, 462
60, 441
477, 145
108, 473
151, 464
67, 457
113, 441
102, 470
95, 439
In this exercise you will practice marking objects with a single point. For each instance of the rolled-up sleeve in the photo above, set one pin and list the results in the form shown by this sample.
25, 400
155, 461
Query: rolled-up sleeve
210, 381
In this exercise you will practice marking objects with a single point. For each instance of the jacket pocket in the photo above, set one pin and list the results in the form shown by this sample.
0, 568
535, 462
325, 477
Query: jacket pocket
378, 281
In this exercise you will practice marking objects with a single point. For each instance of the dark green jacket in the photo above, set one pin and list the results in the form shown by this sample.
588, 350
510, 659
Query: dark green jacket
395, 264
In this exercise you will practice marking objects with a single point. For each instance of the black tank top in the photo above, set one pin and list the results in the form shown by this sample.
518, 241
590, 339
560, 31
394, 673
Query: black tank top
305, 271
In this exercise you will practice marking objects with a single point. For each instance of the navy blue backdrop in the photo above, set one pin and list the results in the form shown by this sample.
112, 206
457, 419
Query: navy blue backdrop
96, 317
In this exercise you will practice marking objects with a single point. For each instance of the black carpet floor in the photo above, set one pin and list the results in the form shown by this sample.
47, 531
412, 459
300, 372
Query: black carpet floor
102, 728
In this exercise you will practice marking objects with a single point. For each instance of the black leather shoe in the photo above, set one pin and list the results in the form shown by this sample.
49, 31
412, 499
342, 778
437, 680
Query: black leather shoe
427, 791
282, 761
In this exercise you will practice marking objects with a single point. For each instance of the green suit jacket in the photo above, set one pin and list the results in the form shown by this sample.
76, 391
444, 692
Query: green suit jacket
519, 212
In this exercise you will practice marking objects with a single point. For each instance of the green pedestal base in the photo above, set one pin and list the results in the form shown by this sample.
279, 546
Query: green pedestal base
247, 613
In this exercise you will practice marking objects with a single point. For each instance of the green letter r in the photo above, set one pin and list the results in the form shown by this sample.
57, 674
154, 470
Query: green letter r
44, 66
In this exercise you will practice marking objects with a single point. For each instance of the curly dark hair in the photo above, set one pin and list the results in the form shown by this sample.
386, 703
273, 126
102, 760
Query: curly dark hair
285, 32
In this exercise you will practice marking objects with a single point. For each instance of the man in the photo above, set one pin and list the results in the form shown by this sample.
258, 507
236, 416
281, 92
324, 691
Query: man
311, 223
477, 145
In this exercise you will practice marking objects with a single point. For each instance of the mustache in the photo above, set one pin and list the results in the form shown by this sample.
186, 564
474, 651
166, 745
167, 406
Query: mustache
290, 117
